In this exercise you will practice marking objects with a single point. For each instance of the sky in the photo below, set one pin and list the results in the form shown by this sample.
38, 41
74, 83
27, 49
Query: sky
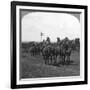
53, 25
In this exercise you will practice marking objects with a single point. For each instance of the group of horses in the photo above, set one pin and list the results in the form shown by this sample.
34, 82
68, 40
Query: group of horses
51, 51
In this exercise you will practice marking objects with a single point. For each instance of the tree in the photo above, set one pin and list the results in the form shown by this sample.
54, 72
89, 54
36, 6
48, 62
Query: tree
77, 42
58, 39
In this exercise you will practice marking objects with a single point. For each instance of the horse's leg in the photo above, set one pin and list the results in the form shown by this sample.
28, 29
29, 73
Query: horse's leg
68, 58
33, 53
50, 60
46, 59
63, 58
54, 59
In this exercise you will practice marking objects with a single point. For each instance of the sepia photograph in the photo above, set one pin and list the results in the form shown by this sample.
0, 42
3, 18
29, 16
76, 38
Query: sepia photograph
50, 44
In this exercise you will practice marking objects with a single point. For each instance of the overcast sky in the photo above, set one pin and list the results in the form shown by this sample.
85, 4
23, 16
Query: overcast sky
51, 24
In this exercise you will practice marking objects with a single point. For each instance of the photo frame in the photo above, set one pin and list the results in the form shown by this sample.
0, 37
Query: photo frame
26, 72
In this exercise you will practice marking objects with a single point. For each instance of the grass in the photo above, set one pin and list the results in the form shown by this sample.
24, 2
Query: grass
34, 67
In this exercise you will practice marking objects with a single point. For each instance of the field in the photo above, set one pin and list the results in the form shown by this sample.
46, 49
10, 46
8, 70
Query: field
34, 67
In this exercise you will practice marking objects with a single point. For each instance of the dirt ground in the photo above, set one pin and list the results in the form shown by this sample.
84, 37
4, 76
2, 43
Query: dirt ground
34, 67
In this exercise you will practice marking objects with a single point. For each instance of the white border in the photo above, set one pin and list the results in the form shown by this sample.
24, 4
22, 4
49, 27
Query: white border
55, 79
